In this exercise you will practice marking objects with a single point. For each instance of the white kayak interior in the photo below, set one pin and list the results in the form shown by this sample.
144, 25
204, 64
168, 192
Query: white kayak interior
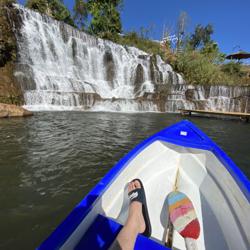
221, 207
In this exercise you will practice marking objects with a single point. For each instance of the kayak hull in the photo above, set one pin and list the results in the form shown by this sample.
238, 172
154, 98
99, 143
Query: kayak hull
215, 185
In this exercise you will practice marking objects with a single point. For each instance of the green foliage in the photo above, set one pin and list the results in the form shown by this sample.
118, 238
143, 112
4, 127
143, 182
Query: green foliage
38, 5
201, 62
58, 10
105, 17
53, 8
197, 68
232, 68
237, 73
212, 52
201, 36
80, 13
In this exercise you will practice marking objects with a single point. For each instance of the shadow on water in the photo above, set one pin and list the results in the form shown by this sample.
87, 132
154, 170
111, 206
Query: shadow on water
50, 161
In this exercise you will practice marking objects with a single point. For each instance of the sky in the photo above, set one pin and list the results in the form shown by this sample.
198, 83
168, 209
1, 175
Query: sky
230, 18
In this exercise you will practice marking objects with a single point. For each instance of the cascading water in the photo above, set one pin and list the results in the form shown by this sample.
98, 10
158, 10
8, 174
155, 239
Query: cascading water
61, 68
209, 97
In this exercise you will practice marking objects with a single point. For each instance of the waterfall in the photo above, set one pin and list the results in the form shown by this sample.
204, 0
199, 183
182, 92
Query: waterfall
209, 97
62, 68
59, 66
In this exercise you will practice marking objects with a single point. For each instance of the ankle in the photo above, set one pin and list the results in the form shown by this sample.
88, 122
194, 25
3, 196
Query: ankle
135, 219
133, 224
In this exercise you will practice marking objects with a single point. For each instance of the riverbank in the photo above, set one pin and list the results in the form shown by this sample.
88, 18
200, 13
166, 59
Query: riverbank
10, 110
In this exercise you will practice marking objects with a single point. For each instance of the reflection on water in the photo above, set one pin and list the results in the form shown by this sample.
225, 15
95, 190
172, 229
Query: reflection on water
50, 161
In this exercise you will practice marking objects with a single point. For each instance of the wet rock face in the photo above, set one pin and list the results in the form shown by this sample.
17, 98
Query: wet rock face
10, 91
155, 74
190, 94
64, 32
26, 81
139, 78
74, 47
7, 38
162, 93
109, 64
87, 100
6, 52
143, 57
170, 78
162, 90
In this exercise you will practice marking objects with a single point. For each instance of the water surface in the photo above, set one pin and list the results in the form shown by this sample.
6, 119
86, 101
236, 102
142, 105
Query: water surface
50, 161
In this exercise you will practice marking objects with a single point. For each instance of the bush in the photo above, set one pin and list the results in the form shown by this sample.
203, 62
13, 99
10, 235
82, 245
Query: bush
197, 68
232, 68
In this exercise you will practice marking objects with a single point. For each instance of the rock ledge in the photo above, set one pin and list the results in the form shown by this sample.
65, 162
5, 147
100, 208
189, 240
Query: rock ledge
10, 110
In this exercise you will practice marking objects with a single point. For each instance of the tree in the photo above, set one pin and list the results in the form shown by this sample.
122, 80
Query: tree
80, 13
105, 17
201, 36
53, 8
38, 5
60, 12
212, 52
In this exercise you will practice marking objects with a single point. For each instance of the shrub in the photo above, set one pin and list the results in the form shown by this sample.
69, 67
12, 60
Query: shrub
197, 68
232, 68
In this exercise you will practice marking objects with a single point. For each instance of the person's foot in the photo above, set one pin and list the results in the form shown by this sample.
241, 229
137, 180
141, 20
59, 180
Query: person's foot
135, 217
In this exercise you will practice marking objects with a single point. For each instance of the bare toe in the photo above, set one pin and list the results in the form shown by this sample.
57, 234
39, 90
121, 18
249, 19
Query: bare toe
132, 185
137, 184
129, 187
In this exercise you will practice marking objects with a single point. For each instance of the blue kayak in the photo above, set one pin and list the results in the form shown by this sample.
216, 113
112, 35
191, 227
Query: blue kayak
181, 156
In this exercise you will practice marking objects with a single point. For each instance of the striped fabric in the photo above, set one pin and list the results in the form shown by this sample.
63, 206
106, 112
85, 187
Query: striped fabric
182, 215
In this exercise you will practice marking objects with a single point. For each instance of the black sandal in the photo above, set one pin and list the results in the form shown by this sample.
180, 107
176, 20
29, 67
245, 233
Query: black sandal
138, 194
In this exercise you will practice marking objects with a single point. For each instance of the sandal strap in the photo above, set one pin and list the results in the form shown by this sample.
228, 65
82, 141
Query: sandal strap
136, 195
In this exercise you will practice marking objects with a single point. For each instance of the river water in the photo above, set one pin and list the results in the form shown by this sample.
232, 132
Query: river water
48, 162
